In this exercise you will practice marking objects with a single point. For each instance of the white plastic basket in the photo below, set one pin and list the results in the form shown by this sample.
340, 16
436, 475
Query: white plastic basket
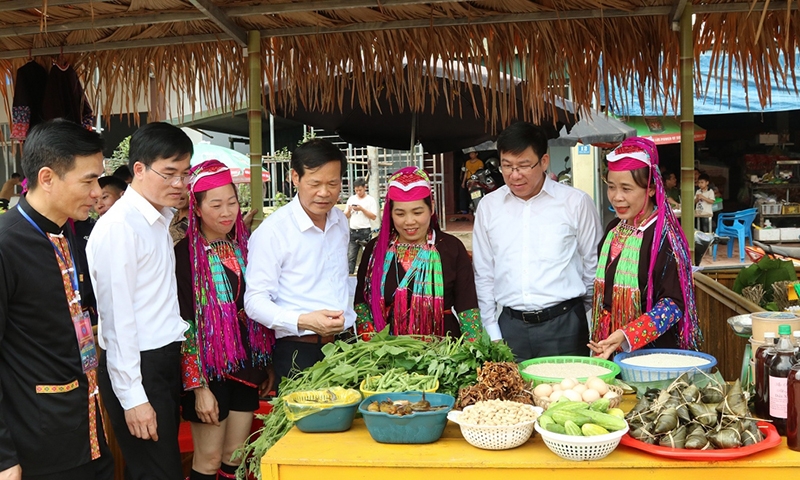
494, 437
570, 447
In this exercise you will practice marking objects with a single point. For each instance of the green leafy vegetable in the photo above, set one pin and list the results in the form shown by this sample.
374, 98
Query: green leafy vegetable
454, 361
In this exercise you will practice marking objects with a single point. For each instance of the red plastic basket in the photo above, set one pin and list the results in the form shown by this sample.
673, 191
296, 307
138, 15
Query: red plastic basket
772, 439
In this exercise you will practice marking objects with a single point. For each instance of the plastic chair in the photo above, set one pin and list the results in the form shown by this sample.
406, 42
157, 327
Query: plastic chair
736, 225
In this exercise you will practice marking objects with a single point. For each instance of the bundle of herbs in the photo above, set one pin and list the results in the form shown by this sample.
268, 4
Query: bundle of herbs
453, 361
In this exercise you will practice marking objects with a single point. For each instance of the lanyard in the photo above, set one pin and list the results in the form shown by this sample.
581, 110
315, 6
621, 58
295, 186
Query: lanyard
74, 276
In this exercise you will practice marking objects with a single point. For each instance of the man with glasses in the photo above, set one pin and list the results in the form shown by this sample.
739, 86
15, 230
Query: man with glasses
535, 253
132, 265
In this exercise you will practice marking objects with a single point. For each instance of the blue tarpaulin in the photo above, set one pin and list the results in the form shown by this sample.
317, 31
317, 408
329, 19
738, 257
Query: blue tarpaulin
714, 100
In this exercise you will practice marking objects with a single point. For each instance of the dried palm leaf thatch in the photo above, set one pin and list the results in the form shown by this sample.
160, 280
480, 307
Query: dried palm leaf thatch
582, 55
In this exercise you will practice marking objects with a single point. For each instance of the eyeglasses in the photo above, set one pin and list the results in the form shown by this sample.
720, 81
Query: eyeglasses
522, 169
173, 180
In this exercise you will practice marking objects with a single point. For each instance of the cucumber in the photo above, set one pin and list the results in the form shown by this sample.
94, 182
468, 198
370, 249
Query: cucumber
567, 406
617, 412
544, 421
609, 422
600, 405
572, 429
556, 428
591, 429
578, 418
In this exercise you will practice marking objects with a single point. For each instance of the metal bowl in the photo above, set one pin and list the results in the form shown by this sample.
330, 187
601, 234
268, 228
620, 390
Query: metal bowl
742, 325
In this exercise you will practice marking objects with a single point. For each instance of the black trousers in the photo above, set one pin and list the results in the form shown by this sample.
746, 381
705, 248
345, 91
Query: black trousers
99, 469
356, 235
161, 378
566, 334
284, 352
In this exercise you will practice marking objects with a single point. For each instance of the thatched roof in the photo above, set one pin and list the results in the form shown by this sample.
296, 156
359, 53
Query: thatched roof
197, 46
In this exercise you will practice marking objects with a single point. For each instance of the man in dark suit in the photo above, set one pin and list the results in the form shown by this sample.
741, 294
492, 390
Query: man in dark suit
50, 423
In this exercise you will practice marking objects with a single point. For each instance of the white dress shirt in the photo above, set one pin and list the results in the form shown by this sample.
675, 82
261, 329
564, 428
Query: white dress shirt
294, 268
132, 266
357, 218
534, 254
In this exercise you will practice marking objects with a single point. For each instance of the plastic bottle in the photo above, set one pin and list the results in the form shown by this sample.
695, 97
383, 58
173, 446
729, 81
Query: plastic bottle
762, 392
793, 413
796, 340
779, 369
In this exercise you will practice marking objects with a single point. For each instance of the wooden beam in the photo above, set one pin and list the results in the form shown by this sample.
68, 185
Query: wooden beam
123, 21
319, 5
740, 7
676, 12
122, 45
216, 15
110, 22
484, 20
26, 4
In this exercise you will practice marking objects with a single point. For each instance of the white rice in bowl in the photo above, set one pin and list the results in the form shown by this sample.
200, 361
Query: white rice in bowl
665, 360
565, 370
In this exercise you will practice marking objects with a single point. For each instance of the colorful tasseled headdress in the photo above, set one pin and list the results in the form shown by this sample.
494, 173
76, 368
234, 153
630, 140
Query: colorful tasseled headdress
424, 314
635, 153
219, 339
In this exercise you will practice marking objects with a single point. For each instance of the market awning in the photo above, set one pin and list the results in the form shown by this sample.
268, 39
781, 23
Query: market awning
662, 130
595, 129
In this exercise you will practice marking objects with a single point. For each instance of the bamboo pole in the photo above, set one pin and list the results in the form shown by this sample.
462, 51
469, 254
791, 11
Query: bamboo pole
254, 119
687, 127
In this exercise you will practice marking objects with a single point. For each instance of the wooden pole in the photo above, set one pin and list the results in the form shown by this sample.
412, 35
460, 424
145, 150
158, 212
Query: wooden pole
254, 119
687, 127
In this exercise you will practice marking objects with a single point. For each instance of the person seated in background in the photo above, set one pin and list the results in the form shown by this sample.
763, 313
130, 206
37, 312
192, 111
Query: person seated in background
113, 188
415, 278
180, 222
672, 190
9, 190
124, 172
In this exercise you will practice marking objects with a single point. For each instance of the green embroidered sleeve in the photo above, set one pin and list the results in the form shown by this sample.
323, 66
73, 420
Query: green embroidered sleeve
364, 324
471, 325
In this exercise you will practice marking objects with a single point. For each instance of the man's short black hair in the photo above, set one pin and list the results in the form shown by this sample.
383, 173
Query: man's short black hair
521, 135
123, 172
16, 175
55, 144
158, 140
113, 182
316, 153
360, 182
705, 177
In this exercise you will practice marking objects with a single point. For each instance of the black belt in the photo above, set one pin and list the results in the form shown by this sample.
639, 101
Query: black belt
545, 314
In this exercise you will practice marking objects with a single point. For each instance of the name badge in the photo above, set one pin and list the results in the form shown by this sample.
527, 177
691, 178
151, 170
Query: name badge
83, 332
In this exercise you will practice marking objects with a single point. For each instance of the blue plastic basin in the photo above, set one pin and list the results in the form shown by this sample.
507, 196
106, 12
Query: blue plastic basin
419, 427
334, 419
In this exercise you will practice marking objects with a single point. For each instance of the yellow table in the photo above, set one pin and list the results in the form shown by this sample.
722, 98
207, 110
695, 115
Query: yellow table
354, 455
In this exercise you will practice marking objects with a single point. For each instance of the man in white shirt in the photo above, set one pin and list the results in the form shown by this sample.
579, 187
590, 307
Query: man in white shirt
132, 265
361, 210
535, 253
297, 262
